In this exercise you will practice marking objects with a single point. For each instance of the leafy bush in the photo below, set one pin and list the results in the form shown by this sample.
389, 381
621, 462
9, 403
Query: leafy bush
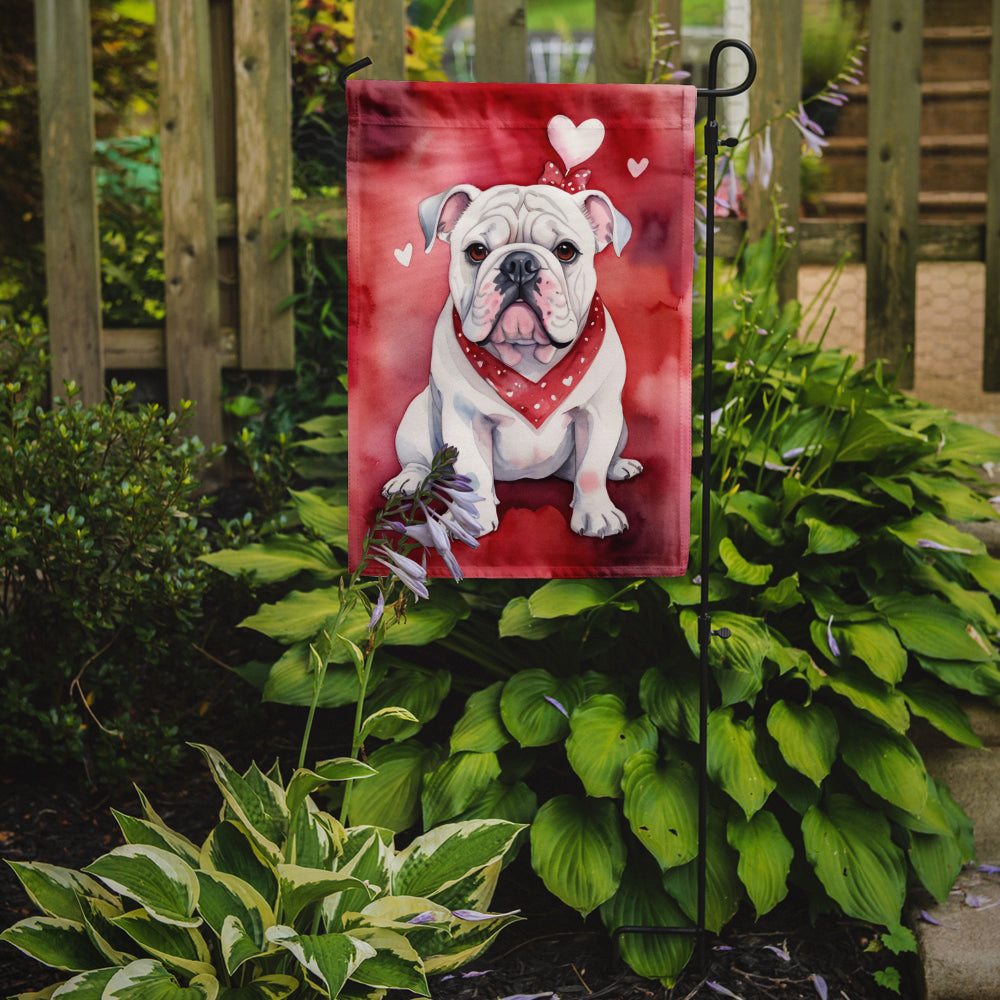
99, 541
279, 899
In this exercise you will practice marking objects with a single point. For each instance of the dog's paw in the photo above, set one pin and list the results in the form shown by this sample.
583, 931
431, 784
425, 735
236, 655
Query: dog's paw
407, 482
624, 468
599, 522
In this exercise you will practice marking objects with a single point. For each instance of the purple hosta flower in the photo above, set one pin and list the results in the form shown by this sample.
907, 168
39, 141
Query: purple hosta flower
727, 199
531, 996
812, 134
427, 917
927, 543
461, 505
465, 975
411, 574
377, 612
780, 952
831, 642
820, 983
990, 869
719, 988
927, 918
558, 705
475, 915
760, 166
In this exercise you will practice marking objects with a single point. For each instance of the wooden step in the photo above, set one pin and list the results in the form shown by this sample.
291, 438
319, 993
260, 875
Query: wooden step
956, 53
957, 206
945, 12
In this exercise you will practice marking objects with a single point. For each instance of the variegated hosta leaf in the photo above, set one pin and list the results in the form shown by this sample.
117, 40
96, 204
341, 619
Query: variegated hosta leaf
329, 959
466, 941
256, 801
642, 902
395, 964
850, 847
367, 853
54, 941
602, 737
301, 887
158, 880
315, 838
304, 782
149, 980
661, 805
765, 858
456, 784
98, 915
391, 799
141, 831
441, 857
225, 897
732, 760
475, 891
177, 947
888, 763
535, 706
723, 889
417, 690
481, 727
56, 891
230, 849
807, 736
274, 987
578, 851
86, 986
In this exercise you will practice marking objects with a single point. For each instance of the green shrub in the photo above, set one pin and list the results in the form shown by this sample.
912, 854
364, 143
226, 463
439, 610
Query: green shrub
99, 542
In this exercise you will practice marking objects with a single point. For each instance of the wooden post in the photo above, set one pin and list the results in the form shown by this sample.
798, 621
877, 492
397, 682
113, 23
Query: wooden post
991, 333
262, 61
892, 215
622, 40
380, 34
72, 255
776, 35
190, 254
501, 41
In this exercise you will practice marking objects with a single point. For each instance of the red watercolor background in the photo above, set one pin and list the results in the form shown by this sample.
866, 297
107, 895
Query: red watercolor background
409, 141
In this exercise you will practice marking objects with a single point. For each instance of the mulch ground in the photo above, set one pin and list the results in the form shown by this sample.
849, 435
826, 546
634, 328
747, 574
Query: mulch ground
551, 952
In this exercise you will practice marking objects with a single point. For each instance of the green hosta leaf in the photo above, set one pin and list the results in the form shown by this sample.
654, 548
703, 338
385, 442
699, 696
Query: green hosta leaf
965, 443
456, 784
976, 678
723, 889
671, 699
732, 760
931, 628
682, 591
765, 858
230, 849
415, 689
602, 738
739, 569
301, 887
260, 809
941, 709
661, 800
559, 598
141, 831
275, 987
975, 605
481, 728
850, 847
226, 898
327, 520
893, 488
888, 763
578, 851
54, 941
870, 435
279, 558
866, 692
876, 646
758, 511
928, 528
937, 859
56, 891
641, 901
957, 501
738, 661
827, 539
159, 881
180, 948
783, 595
395, 964
391, 798
147, 979
517, 620
516, 803
438, 859
330, 959
530, 706
986, 572
807, 736
292, 680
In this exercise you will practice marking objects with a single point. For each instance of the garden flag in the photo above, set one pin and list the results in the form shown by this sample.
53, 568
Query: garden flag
520, 280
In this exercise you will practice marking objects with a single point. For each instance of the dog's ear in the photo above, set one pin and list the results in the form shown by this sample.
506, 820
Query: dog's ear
440, 213
609, 225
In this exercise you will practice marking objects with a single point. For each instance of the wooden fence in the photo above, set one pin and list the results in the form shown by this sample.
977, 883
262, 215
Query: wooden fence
226, 161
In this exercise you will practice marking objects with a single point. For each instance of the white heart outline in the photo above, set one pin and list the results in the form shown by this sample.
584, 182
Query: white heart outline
636, 167
575, 143
405, 255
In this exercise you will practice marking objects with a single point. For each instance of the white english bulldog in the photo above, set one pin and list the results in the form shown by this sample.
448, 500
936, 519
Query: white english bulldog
527, 368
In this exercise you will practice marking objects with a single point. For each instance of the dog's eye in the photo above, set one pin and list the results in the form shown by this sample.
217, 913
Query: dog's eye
566, 252
476, 252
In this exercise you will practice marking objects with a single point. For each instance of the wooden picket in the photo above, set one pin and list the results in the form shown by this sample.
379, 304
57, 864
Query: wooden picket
226, 160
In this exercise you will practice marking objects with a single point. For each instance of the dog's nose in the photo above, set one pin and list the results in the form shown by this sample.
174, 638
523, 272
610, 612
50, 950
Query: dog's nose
520, 267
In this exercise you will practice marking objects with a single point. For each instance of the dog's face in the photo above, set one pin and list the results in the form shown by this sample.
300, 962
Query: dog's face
522, 261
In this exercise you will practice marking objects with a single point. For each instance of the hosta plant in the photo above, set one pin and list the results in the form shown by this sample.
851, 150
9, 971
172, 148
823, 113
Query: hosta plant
279, 900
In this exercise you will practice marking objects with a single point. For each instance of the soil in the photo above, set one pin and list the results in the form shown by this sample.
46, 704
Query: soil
551, 952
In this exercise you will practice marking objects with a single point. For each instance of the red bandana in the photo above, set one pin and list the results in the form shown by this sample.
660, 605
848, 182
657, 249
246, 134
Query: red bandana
536, 401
